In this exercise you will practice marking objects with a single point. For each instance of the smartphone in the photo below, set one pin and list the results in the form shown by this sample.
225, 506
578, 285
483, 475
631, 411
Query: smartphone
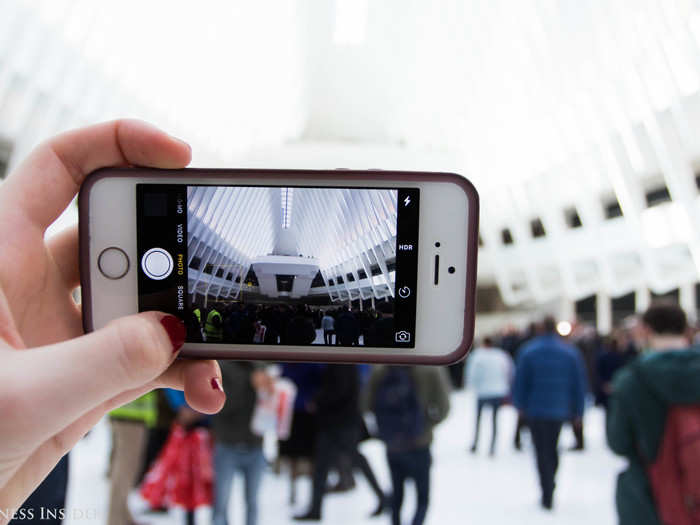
286, 265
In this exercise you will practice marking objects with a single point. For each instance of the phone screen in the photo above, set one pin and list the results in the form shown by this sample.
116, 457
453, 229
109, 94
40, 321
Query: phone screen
281, 265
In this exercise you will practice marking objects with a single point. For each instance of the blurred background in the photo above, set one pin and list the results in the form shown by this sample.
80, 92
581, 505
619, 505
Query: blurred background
577, 121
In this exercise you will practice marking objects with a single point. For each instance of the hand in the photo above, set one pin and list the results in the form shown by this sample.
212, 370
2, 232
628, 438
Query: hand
262, 381
55, 382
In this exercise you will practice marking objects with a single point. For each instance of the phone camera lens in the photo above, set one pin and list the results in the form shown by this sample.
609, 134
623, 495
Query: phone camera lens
437, 244
451, 269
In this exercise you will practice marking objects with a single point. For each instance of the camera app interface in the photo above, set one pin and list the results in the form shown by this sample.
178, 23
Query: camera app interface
281, 265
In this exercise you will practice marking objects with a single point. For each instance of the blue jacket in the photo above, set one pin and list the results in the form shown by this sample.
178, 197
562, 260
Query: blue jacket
550, 379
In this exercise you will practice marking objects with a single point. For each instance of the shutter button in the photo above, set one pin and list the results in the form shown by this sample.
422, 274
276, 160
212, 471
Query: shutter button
157, 263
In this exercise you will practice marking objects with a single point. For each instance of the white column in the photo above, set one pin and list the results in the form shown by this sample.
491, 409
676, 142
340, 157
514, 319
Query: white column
567, 309
604, 319
686, 297
642, 300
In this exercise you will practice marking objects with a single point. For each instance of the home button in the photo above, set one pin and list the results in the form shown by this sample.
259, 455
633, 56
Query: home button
113, 263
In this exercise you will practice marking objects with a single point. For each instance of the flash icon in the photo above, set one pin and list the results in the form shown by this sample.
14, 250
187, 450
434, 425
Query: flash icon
407, 201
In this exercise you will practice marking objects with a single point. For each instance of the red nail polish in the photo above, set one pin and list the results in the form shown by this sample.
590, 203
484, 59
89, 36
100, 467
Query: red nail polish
176, 331
216, 384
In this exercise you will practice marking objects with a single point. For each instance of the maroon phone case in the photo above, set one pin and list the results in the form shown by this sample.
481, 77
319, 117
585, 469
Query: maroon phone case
233, 176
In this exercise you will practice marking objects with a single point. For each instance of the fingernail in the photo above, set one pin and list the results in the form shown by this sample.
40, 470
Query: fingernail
182, 142
216, 384
176, 331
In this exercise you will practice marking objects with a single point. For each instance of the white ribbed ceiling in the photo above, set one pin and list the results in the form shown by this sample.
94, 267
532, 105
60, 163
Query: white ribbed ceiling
547, 105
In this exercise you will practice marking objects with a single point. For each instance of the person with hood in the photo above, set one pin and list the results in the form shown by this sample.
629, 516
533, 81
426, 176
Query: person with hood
644, 395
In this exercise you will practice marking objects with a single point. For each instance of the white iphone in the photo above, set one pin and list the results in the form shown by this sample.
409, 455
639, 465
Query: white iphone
286, 265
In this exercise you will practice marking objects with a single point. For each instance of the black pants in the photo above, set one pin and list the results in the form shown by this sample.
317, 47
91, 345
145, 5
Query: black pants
495, 403
518, 430
415, 465
48, 500
328, 336
545, 437
577, 428
332, 443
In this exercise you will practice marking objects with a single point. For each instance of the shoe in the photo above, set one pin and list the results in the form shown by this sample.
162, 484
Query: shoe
341, 486
473, 449
309, 516
547, 502
576, 448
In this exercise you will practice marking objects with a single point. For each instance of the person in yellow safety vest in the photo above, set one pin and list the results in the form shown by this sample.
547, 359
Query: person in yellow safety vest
213, 328
195, 333
130, 425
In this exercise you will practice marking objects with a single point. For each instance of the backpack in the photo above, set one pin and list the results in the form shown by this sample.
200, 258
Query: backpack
397, 410
674, 475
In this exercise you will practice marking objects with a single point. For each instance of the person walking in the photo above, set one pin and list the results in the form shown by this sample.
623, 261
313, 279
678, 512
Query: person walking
328, 326
489, 374
236, 448
130, 425
653, 419
407, 403
338, 424
549, 389
347, 329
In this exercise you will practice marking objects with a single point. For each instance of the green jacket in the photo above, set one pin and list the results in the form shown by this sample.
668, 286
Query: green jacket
144, 409
642, 393
213, 327
433, 389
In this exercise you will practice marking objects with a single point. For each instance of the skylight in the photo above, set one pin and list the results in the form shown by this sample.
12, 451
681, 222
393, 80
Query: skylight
287, 195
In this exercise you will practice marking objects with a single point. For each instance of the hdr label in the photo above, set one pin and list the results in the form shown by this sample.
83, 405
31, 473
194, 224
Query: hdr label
405, 247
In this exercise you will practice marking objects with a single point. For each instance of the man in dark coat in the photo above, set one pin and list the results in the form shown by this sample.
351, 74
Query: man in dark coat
549, 389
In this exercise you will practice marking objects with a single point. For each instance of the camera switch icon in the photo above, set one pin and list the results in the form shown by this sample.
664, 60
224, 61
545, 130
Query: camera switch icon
403, 336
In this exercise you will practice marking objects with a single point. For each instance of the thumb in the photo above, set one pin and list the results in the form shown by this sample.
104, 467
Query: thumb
70, 378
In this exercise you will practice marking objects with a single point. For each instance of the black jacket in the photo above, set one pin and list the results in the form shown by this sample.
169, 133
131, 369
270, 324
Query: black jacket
231, 426
337, 400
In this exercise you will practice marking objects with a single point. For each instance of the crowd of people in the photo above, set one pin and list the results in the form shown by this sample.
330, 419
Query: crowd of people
327, 428
641, 374
644, 374
293, 324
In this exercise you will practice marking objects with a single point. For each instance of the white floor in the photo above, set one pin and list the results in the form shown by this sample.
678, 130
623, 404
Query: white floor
466, 488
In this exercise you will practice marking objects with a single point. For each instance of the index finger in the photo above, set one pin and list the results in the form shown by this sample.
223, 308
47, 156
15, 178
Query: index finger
45, 183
